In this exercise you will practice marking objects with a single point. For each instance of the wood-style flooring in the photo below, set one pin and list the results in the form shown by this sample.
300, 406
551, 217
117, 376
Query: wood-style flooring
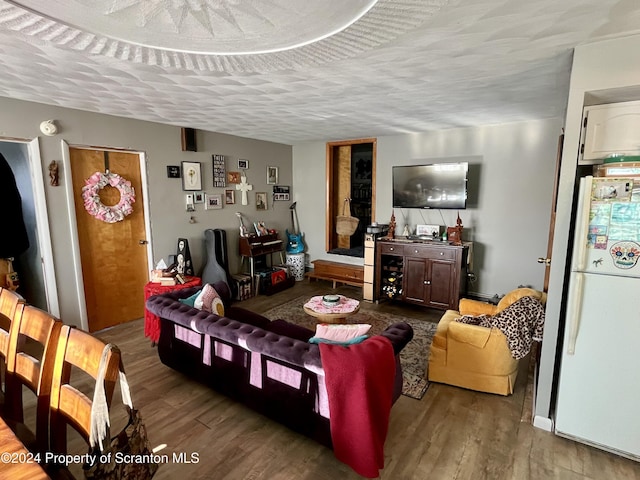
451, 433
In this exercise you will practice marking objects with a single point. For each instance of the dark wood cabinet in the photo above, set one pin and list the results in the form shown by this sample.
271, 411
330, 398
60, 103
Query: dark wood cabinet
429, 274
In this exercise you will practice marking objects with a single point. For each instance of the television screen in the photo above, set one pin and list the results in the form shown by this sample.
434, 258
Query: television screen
441, 185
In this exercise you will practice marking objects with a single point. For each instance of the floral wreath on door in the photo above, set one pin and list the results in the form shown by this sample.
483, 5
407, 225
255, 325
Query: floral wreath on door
93, 204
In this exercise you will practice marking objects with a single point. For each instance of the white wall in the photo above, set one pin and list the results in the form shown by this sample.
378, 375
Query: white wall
511, 183
161, 143
612, 66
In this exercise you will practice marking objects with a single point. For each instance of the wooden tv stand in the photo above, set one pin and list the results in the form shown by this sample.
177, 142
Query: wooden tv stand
432, 274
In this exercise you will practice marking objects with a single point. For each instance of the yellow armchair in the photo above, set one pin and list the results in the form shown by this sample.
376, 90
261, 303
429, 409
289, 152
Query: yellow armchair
475, 357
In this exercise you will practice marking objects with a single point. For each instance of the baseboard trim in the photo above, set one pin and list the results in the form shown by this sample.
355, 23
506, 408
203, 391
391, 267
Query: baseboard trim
543, 423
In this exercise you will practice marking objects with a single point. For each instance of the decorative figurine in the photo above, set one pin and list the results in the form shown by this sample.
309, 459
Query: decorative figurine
454, 234
53, 173
392, 225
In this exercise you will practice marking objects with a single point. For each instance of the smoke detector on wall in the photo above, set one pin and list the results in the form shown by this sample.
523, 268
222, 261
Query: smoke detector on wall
49, 128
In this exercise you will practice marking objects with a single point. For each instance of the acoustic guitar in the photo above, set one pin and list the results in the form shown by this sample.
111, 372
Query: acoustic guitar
294, 240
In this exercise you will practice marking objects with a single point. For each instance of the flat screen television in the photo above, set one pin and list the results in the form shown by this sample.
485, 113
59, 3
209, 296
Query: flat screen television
440, 185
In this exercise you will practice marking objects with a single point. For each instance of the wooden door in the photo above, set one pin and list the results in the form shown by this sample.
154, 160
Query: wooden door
113, 255
552, 220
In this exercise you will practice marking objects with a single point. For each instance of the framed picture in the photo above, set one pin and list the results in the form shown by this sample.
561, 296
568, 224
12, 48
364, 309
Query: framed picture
198, 197
214, 201
243, 164
233, 177
261, 200
173, 171
229, 197
219, 177
191, 176
272, 175
281, 193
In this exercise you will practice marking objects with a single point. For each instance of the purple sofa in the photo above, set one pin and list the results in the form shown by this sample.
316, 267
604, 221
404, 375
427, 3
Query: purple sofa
267, 365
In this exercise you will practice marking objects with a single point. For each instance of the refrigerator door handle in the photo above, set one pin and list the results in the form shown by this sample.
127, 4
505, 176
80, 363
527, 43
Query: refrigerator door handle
574, 311
582, 224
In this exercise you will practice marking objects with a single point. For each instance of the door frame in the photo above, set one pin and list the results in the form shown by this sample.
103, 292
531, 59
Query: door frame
331, 208
73, 224
42, 222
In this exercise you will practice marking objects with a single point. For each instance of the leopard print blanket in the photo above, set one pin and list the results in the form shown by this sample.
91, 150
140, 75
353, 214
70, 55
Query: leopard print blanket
522, 322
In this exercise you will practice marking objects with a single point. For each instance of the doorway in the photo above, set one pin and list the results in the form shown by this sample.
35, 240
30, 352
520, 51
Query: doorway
113, 256
351, 167
34, 266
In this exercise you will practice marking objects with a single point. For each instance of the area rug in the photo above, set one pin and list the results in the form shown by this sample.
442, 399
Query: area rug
413, 357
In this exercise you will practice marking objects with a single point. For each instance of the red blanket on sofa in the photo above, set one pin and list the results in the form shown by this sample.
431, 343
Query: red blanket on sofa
359, 380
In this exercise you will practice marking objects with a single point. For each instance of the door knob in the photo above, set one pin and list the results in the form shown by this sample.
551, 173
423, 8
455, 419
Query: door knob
546, 261
142, 242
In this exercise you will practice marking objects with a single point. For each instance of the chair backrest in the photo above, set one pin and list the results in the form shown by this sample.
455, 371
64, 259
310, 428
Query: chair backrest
30, 359
9, 301
69, 405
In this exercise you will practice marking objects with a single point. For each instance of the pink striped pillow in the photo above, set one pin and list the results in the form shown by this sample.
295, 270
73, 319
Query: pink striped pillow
341, 333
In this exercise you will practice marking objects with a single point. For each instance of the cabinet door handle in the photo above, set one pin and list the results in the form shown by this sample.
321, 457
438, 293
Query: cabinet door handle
391, 249
427, 282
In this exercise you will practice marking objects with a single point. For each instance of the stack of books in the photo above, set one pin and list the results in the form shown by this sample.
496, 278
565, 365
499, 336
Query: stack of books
162, 277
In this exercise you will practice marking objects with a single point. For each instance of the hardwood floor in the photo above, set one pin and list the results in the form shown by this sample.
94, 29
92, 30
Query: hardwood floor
451, 433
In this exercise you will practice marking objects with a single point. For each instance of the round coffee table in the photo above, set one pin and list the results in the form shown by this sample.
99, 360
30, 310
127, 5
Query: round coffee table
335, 314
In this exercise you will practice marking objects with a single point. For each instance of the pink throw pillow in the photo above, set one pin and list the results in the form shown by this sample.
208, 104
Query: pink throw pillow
341, 333
209, 300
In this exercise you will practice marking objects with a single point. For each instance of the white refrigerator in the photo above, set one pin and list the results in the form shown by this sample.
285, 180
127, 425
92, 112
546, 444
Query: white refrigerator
598, 395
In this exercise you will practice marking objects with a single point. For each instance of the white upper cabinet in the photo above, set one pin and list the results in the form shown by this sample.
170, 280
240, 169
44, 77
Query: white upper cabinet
611, 129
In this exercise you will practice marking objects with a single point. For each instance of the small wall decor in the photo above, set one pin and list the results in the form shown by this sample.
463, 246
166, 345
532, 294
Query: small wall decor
219, 177
189, 202
261, 200
53, 173
244, 187
233, 177
173, 171
243, 164
280, 193
198, 197
191, 176
272, 175
229, 197
214, 201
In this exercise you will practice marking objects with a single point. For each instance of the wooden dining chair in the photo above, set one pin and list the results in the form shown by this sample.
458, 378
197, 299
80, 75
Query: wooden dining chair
30, 359
9, 301
69, 405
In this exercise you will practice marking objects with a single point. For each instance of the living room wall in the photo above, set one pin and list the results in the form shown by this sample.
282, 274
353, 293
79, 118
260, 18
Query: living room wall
510, 186
19, 121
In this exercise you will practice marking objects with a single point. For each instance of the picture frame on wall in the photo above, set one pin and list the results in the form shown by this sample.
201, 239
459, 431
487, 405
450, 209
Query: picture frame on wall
219, 175
173, 171
234, 177
243, 164
191, 176
261, 200
214, 201
198, 197
272, 175
229, 197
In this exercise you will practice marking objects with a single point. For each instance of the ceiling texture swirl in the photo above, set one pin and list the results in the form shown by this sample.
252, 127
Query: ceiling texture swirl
291, 71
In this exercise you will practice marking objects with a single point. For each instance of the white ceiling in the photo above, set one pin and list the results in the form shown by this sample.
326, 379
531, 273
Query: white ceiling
291, 71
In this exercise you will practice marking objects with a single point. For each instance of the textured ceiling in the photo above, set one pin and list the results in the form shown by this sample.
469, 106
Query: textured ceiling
293, 70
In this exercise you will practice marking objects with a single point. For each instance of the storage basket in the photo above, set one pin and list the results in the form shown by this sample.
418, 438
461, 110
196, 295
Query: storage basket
345, 223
